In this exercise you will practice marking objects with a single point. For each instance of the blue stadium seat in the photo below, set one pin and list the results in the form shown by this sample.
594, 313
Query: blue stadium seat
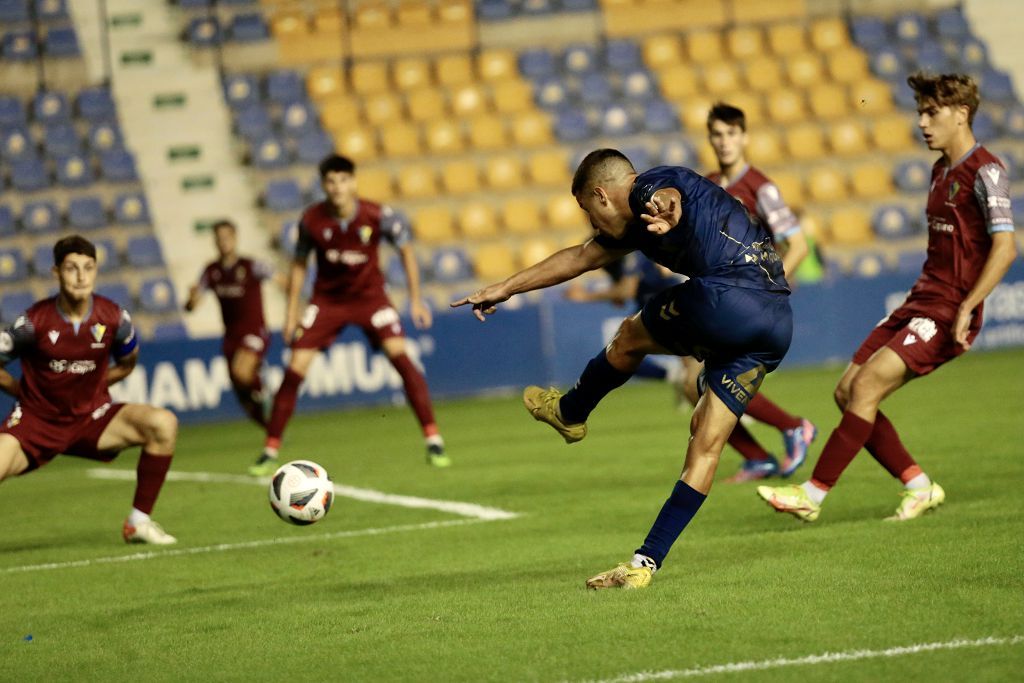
639, 85
12, 112
61, 138
891, 222
107, 257
578, 5
1017, 204
903, 95
269, 153
887, 63
172, 331
104, 136
42, 260
640, 155
95, 104
660, 117
12, 264
984, 127
14, 11
910, 261
51, 107
29, 175
287, 235
536, 63
14, 302
74, 170
678, 152
312, 147
157, 296
550, 92
536, 7
40, 217
86, 213
61, 42
572, 125
450, 264
596, 89
6, 221
283, 195
1013, 121
144, 252
118, 166
579, 59
494, 10
868, 264
315, 189
997, 86
913, 176
195, 4
622, 55
248, 28
974, 55
19, 46
16, 143
203, 32
951, 23
869, 32
394, 272
130, 208
241, 91
52, 10
932, 57
911, 27
254, 122
285, 86
298, 118
616, 121
117, 292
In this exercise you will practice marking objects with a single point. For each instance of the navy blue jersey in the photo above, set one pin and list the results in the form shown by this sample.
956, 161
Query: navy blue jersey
716, 240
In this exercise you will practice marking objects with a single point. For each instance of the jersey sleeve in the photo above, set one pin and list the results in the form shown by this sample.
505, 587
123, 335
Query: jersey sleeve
992, 188
772, 209
395, 226
304, 244
125, 339
14, 340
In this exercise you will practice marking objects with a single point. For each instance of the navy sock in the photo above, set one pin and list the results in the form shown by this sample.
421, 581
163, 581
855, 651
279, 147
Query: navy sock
598, 378
651, 370
675, 514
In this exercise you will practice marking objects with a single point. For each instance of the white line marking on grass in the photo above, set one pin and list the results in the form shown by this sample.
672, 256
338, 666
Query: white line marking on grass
824, 658
472, 510
224, 547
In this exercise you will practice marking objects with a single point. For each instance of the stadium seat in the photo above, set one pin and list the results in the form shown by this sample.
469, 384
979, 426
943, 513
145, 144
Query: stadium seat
849, 137
357, 143
750, 102
203, 31
579, 58
312, 147
933, 57
826, 184
659, 117
913, 175
249, 27
269, 153
721, 77
871, 97
512, 97
805, 141
892, 133
563, 212
891, 221
50, 108
170, 332
86, 213
536, 63
572, 125
973, 55
29, 175
997, 86
16, 143
95, 104
677, 152
6, 221
324, 82
375, 184
911, 27
496, 64
19, 46
870, 32
493, 262
13, 302
791, 187
477, 220
61, 138
847, 64
74, 171
254, 122
469, 99
851, 226
42, 260
443, 136
984, 127
417, 181
104, 136
15, 11
745, 42
117, 292
803, 69
460, 177
867, 264
871, 180
763, 75
786, 106
425, 104
382, 108
488, 133
454, 69
284, 86
951, 24
622, 55
434, 224
639, 85
12, 265
615, 121
118, 166
694, 113
504, 172
298, 118
410, 73
828, 101
531, 129
156, 295
107, 257
787, 38
595, 89
535, 250
144, 252
61, 41
12, 112
887, 63
910, 261
549, 168
283, 194
400, 139
704, 46
522, 217
450, 264
828, 33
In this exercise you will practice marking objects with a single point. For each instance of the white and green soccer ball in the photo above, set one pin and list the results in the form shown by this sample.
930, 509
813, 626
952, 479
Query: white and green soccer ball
301, 492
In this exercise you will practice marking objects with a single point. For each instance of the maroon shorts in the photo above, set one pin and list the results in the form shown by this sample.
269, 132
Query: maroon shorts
256, 341
924, 340
43, 439
323, 321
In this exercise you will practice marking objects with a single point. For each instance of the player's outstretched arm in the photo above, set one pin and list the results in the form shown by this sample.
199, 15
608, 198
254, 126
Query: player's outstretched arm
122, 367
1000, 258
561, 266
422, 318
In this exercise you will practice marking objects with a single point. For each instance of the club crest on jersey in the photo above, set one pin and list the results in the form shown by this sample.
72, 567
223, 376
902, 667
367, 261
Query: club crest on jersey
327, 233
98, 331
365, 233
953, 190
53, 335
239, 273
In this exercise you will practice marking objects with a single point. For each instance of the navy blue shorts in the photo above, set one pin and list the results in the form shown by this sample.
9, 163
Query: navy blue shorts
741, 334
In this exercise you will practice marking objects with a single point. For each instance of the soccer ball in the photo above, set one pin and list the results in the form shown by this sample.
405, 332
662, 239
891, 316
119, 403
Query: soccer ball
301, 492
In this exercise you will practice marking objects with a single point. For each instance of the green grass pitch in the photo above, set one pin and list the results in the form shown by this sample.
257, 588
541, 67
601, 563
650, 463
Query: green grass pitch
504, 600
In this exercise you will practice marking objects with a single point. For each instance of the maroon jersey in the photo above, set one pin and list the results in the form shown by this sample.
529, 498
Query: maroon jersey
64, 365
239, 291
762, 198
968, 201
346, 250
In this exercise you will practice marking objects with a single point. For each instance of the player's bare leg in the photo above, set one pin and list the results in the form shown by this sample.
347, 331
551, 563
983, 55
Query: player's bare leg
245, 380
284, 406
156, 430
13, 460
418, 394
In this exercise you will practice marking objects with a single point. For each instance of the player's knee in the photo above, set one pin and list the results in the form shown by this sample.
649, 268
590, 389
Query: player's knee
865, 388
690, 387
241, 379
163, 425
841, 396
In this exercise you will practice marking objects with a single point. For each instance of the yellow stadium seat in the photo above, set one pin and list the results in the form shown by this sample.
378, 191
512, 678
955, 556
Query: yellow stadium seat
786, 106
414, 13
829, 33
563, 213
828, 101
706, 157
460, 177
847, 64
375, 184
848, 138
549, 168
433, 224
328, 20
477, 221
787, 38
694, 112
487, 132
759, 11
417, 181
400, 139
425, 104
892, 133
763, 75
803, 69
455, 11
493, 262
443, 136
382, 108
535, 250
469, 100
289, 24
872, 180
704, 46
323, 82
826, 184
871, 96
372, 14
531, 129
851, 225
663, 51
369, 77
409, 73
339, 111
805, 141
812, 224
720, 77
521, 217
356, 142
513, 97
504, 172
454, 70
750, 103
497, 64
765, 147
678, 82
745, 42
791, 187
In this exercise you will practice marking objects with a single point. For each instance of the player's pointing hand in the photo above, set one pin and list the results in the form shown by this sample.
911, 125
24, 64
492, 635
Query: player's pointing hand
485, 301
662, 214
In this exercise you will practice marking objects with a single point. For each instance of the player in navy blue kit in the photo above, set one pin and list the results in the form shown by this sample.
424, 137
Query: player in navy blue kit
733, 313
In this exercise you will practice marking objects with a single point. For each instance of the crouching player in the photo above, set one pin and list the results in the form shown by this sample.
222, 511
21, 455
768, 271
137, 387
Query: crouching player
66, 344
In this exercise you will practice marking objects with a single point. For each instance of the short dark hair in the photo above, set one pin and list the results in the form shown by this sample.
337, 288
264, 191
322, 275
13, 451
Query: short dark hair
598, 167
727, 114
946, 90
224, 223
335, 163
72, 244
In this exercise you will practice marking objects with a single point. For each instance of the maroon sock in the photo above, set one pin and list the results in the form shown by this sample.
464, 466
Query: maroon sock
763, 410
844, 443
284, 404
885, 446
149, 478
417, 393
744, 442
247, 398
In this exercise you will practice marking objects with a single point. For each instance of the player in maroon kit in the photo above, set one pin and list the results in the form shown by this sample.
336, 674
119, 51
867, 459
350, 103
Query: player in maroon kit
66, 344
345, 231
237, 282
727, 133
970, 247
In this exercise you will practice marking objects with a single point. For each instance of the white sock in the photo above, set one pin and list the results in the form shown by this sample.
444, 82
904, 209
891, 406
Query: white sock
435, 440
813, 492
919, 482
137, 517
270, 451
643, 561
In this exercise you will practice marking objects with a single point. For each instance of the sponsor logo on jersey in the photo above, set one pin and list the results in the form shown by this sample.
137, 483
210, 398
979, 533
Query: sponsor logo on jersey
365, 233
347, 257
745, 385
53, 335
75, 367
